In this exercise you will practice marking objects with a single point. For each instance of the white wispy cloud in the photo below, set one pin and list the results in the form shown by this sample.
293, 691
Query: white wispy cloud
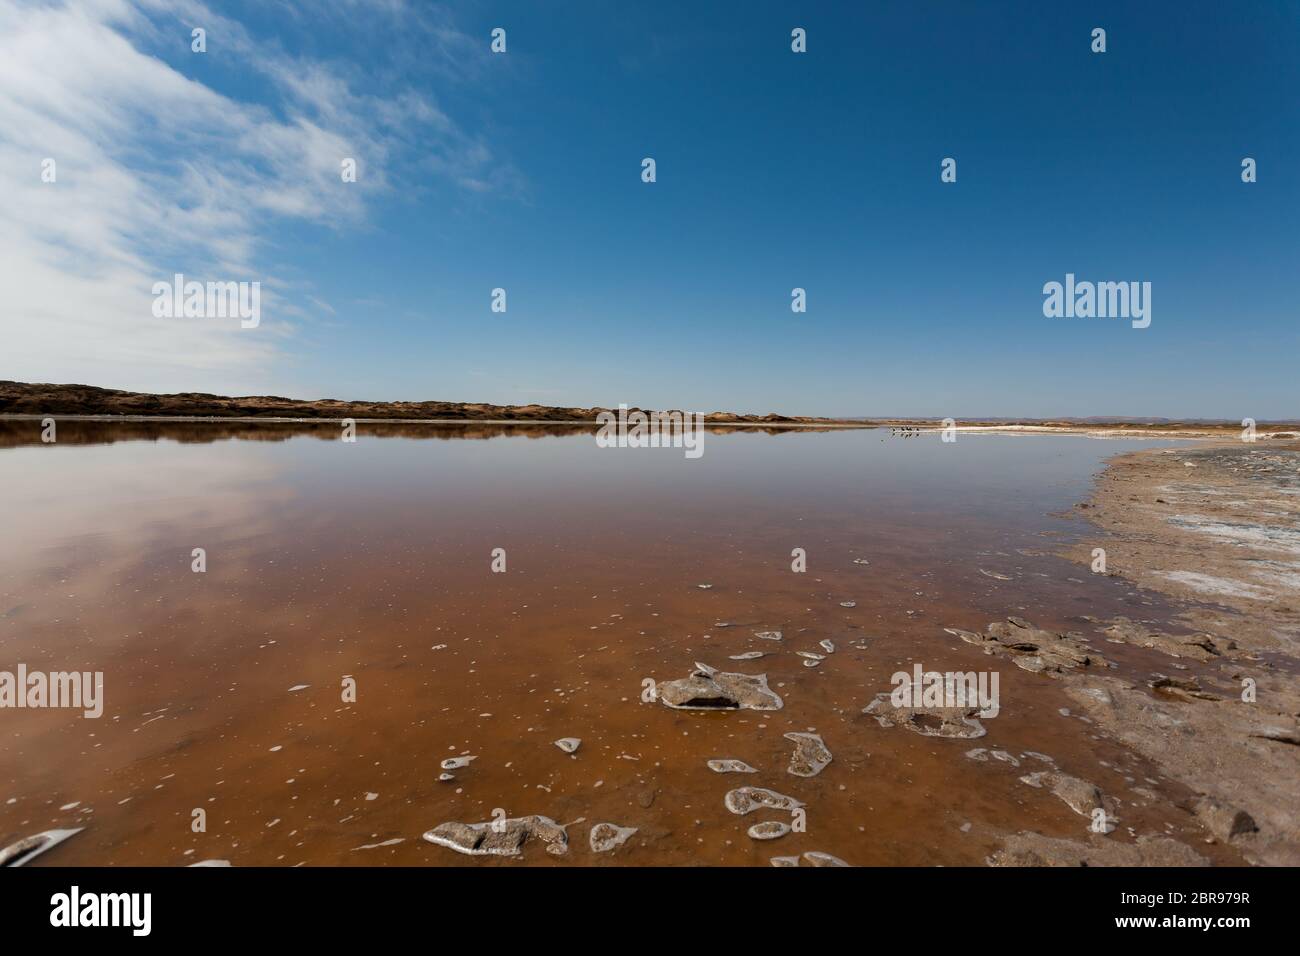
161, 173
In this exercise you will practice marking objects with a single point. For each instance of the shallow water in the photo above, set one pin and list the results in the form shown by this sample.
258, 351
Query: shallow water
372, 560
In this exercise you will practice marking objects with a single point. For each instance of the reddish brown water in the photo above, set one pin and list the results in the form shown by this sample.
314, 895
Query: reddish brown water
372, 560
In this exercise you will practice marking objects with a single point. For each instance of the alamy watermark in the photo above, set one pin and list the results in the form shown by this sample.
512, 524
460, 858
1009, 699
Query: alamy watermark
638, 429
1102, 300
79, 690
213, 300
925, 689
128, 910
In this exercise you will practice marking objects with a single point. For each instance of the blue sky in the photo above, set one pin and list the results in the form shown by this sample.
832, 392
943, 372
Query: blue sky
775, 170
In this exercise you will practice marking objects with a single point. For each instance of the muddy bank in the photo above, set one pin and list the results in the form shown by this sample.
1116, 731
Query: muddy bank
1216, 528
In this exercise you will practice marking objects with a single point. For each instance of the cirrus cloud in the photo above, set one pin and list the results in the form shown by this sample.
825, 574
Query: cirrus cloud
170, 161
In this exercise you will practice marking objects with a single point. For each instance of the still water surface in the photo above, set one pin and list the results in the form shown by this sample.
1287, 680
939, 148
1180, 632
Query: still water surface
372, 561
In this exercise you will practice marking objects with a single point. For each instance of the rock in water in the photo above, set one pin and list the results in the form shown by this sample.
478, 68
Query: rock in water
927, 721
605, 836
377, 846
747, 656
768, 830
1079, 795
710, 689
817, 858
827, 646
730, 766
745, 800
768, 635
810, 755
569, 744
28, 848
1033, 649
813, 858
500, 837
455, 763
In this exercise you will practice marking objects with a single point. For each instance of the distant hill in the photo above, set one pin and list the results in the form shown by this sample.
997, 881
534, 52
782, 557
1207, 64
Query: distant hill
20, 398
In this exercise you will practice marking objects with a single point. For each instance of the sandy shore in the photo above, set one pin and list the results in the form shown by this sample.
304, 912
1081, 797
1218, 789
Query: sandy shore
1218, 529
1173, 430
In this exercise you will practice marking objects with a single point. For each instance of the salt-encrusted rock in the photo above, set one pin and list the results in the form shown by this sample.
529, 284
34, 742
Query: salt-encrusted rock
569, 744
446, 777
748, 656
970, 637
710, 689
455, 763
960, 722
979, 753
810, 755
768, 830
1058, 651
211, 863
730, 766
827, 646
1034, 849
768, 635
28, 848
1200, 647
812, 663
1079, 795
811, 656
812, 858
848, 604
1031, 648
606, 836
745, 800
1224, 821
500, 837
1187, 688
380, 845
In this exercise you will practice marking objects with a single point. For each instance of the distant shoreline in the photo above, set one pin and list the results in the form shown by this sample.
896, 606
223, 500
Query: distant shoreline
922, 426
21, 401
